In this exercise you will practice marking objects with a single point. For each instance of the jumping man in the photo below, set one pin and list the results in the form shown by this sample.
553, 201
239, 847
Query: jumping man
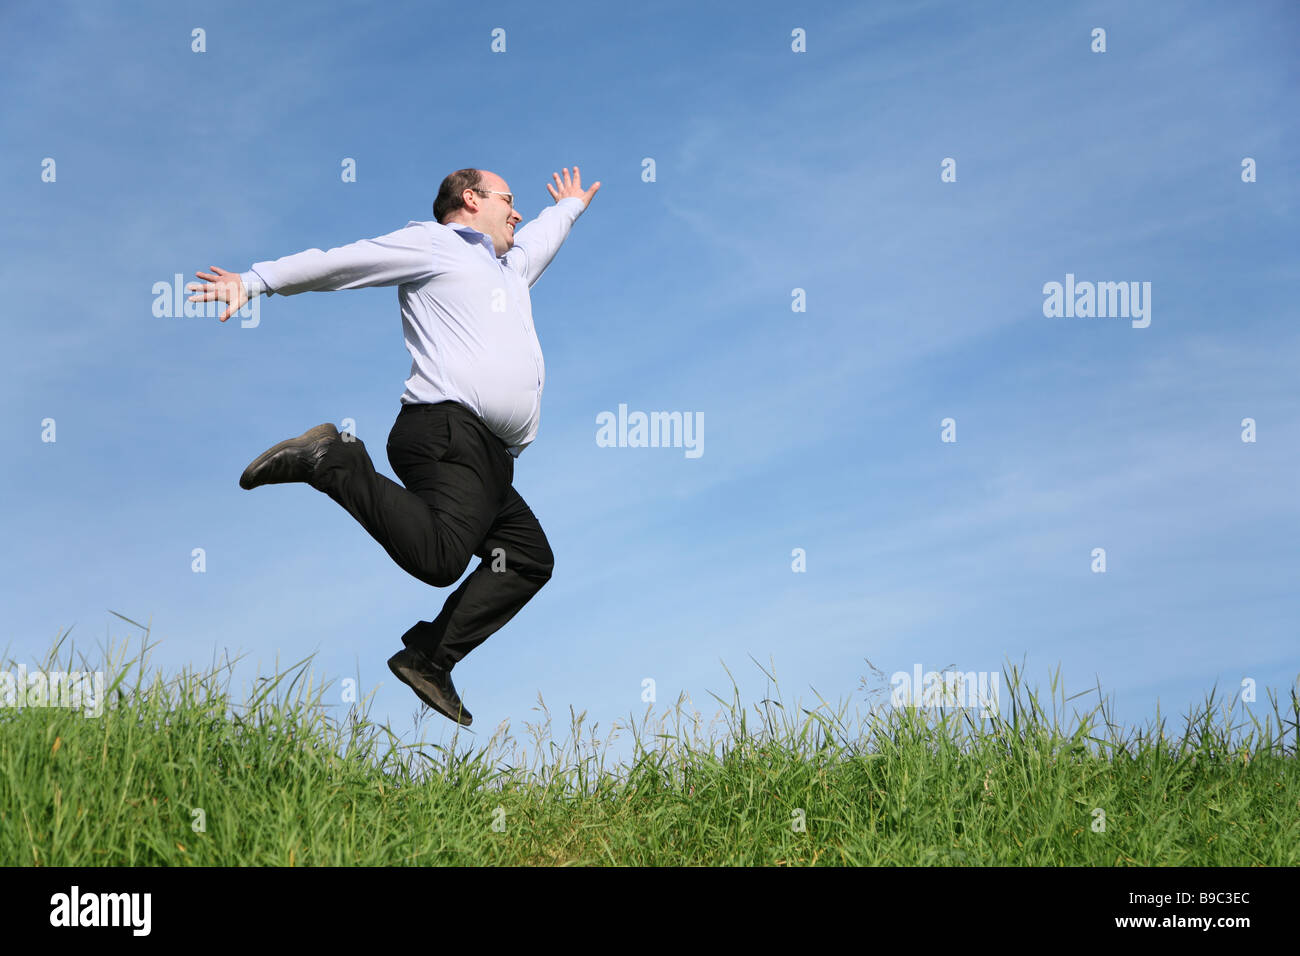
472, 404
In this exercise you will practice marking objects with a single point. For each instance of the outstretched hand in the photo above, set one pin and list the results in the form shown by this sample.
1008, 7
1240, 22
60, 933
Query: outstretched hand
221, 285
571, 187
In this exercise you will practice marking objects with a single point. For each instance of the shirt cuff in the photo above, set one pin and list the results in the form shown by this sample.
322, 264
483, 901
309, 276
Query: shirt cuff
253, 284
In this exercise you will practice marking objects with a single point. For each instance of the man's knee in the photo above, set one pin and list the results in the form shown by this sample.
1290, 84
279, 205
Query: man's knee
441, 578
445, 572
533, 563
544, 566
535, 567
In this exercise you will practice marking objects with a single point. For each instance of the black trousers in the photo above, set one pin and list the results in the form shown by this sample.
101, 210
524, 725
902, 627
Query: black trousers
458, 503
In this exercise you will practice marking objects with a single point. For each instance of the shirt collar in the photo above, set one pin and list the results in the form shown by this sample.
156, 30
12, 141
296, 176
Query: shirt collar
473, 235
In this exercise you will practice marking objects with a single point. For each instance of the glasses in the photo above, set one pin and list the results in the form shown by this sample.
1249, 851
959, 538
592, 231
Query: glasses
510, 197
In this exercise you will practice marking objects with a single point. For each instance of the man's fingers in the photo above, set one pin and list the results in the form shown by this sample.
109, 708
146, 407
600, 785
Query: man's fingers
570, 185
225, 291
221, 285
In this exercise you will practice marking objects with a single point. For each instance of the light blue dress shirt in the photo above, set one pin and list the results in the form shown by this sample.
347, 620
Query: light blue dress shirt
466, 313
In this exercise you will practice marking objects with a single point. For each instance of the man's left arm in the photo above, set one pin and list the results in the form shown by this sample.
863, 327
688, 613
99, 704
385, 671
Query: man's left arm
537, 243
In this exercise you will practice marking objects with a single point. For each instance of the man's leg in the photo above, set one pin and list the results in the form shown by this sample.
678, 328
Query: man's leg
458, 502
454, 491
517, 561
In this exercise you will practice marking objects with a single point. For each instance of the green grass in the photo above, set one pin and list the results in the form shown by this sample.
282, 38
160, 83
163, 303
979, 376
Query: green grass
281, 782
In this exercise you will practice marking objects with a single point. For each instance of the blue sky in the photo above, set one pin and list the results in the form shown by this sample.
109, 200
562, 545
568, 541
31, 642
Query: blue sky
775, 170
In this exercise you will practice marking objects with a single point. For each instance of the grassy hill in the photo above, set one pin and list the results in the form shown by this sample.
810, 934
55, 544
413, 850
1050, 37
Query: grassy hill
174, 772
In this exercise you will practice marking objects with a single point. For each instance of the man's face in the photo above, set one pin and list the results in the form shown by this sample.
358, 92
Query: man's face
496, 218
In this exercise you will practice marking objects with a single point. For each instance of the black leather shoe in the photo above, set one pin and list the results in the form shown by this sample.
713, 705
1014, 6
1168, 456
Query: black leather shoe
431, 683
291, 460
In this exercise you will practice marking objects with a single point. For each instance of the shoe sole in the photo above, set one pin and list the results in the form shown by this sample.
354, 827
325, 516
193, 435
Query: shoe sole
307, 437
440, 706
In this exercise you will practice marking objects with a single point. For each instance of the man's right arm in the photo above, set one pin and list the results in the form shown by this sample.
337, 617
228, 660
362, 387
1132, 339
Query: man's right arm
406, 255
